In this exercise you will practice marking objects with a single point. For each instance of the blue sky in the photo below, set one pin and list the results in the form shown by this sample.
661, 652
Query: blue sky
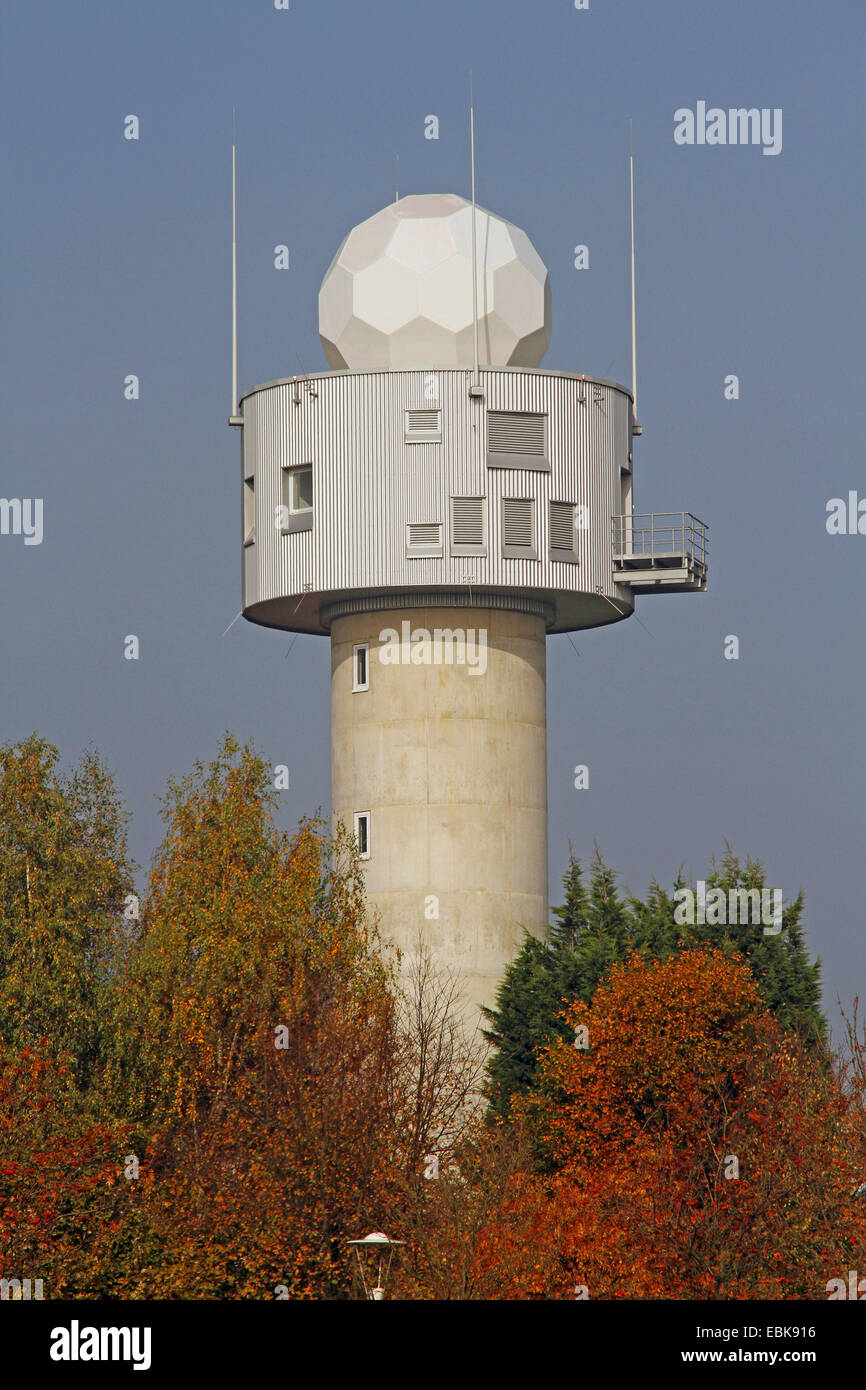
117, 261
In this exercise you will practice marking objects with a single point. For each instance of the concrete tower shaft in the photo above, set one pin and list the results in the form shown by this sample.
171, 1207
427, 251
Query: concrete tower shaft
448, 760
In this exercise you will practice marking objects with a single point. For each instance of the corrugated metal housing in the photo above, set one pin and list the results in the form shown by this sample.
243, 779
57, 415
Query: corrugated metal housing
371, 482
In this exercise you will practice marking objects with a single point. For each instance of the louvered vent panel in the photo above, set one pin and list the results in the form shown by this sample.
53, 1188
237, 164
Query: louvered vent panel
517, 522
420, 420
562, 526
425, 533
515, 432
468, 521
422, 425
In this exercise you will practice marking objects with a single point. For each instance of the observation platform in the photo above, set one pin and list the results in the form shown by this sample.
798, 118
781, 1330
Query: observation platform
655, 551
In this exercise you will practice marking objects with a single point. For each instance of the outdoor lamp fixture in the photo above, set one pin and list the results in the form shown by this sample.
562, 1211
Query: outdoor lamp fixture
375, 1245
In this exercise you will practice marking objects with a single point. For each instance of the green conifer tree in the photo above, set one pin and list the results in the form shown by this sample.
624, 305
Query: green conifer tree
595, 928
789, 982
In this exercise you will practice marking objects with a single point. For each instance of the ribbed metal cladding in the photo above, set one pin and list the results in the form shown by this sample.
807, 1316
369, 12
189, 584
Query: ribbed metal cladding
438, 598
370, 484
249, 557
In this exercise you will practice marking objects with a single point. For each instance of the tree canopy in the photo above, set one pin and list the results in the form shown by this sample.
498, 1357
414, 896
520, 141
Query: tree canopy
596, 928
695, 1148
210, 1096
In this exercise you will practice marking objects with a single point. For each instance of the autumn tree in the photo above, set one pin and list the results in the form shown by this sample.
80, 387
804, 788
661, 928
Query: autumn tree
696, 1149
449, 1175
64, 881
255, 1043
211, 1100
70, 1202
596, 927
439, 1063
290, 1087
446, 1220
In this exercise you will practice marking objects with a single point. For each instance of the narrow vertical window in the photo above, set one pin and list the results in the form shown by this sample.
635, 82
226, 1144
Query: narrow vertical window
360, 669
249, 511
362, 833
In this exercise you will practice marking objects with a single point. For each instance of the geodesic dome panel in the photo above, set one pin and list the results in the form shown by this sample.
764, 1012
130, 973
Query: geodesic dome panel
398, 293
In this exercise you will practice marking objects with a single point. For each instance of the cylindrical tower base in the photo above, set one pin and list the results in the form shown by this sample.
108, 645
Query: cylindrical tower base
445, 751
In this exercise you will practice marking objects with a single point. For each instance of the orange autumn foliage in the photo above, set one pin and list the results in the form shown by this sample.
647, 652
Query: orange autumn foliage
694, 1150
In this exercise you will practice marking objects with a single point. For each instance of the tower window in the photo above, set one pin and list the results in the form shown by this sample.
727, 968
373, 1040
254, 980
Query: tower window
297, 498
362, 833
360, 667
249, 511
518, 528
298, 489
517, 439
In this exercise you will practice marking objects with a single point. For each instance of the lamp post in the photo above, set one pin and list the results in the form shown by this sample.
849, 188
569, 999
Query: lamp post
375, 1245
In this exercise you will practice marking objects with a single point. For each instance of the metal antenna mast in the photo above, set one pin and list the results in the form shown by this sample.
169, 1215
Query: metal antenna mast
633, 329
474, 246
234, 418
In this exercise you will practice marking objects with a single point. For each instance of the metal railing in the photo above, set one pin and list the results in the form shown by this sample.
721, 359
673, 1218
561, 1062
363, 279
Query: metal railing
658, 534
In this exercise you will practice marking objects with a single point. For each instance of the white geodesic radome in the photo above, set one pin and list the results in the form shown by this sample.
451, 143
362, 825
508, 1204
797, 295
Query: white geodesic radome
398, 293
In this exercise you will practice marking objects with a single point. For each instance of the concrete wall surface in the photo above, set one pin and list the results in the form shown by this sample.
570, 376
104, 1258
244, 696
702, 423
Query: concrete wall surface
450, 761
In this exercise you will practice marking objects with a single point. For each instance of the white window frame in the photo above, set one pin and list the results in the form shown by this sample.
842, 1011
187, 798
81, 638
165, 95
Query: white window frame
358, 685
359, 816
291, 473
295, 518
